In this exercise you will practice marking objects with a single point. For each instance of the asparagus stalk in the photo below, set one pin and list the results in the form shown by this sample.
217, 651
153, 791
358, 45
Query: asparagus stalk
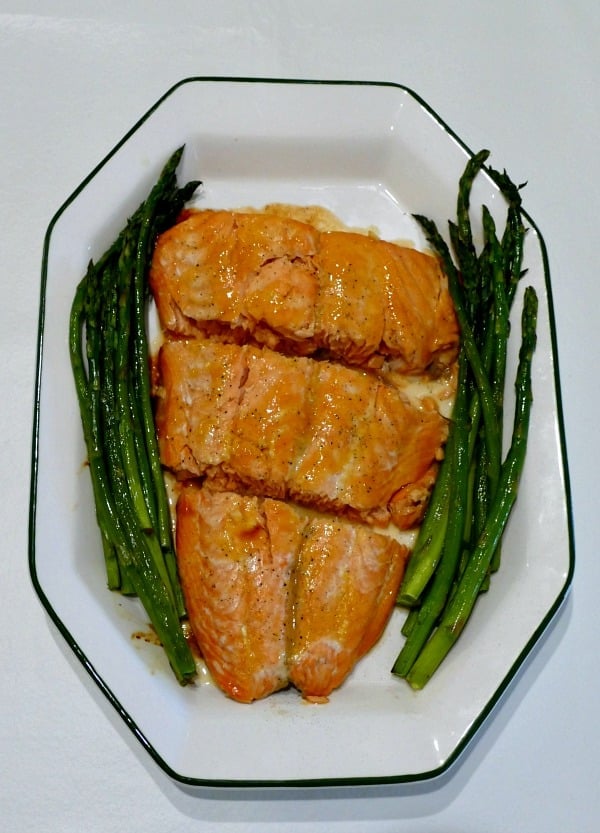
469, 345
87, 389
113, 389
473, 477
436, 595
463, 602
156, 214
430, 539
461, 234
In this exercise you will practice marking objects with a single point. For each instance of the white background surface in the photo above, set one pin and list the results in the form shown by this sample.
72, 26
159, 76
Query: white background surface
521, 78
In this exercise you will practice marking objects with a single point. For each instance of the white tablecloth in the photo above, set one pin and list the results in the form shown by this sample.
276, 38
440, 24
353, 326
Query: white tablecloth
519, 77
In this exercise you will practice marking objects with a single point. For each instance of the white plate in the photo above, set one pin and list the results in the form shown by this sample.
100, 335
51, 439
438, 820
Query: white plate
374, 154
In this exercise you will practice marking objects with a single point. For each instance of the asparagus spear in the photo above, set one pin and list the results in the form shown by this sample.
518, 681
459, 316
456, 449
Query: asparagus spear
430, 539
113, 389
463, 602
436, 595
156, 214
88, 394
483, 288
418, 576
462, 236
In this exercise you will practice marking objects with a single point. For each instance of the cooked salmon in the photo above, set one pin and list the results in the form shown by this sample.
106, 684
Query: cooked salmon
236, 587
276, 595
326, 435
286, 406
281, 282
346, 582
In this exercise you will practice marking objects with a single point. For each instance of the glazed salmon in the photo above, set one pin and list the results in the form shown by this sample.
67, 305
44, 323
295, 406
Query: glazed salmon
280, 282
225, 272
323, 434
345, 588
235, 576
276, 595
286, 406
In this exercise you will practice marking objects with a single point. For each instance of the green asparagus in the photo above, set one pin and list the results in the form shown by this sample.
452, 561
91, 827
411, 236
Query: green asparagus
458, 546
465, 596
108, 346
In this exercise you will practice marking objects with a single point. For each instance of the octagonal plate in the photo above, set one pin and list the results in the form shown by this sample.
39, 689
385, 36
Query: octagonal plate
374, 154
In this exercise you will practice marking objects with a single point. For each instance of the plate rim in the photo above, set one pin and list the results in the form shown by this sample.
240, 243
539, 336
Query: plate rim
492, 703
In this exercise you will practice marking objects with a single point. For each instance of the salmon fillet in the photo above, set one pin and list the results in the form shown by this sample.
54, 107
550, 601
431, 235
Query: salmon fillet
235, 585
325, 435
276, 595
280, 282
346, 583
